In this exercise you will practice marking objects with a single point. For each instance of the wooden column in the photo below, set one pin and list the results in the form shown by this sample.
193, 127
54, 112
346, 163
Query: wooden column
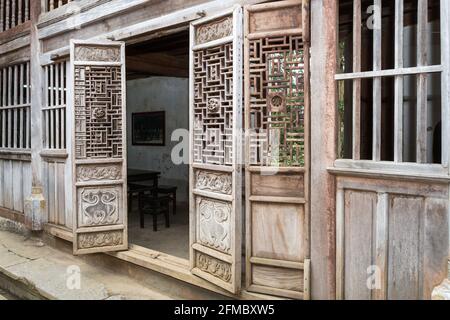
323, 154
35, 203
445, 60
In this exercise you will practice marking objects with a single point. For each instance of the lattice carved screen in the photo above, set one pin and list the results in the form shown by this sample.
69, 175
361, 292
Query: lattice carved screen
277, 149
216, 112
98, 112
213, 105
99, 151
277, 109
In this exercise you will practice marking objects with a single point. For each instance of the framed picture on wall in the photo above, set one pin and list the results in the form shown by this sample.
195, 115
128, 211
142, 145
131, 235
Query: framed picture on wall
149, 128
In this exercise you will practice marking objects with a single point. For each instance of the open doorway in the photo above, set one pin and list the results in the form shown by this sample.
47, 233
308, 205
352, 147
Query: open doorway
157, 105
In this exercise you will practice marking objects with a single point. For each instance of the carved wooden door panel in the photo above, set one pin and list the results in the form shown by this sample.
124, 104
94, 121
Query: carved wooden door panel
277, 148
98, 138
216, 149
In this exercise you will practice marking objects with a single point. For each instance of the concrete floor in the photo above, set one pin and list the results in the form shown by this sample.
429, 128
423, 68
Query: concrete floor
173, 241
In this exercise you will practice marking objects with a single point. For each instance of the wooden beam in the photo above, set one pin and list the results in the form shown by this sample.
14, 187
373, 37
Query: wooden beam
157, 67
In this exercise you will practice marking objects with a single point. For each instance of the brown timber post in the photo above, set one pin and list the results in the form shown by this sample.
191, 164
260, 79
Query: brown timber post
35, 203
323, 152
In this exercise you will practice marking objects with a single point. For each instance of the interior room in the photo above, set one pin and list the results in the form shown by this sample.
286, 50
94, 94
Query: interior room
157, 105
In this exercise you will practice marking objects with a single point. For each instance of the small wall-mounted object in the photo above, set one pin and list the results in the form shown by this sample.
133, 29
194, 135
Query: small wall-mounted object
149, 128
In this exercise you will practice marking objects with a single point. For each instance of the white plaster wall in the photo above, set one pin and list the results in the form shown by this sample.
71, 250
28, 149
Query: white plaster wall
160, 94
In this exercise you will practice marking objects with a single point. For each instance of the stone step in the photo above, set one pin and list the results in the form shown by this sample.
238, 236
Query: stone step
32, 270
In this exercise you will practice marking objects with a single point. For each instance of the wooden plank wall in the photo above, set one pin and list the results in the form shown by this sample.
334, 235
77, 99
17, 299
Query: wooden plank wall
15, 184
55, 191
399, 227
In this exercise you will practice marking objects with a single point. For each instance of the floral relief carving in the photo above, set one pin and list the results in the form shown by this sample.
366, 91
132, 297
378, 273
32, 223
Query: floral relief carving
99, 207
89, 173
214, 220
97, 53
214, 30
100, 239
214, 267
214, 182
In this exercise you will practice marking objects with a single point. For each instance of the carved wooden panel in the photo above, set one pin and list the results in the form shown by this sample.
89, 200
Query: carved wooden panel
277, 148
216, 179
214, 30
213, 181
98, 147
215, 267
98, 172
214, 224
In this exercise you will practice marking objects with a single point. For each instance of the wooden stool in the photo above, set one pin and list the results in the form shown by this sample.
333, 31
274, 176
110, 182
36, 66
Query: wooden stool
154, 205
171, 192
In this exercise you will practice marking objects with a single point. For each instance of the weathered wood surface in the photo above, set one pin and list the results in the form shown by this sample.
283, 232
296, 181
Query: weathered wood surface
15, 183
399, 230
99, 186
216, 144
277, 161
323, 154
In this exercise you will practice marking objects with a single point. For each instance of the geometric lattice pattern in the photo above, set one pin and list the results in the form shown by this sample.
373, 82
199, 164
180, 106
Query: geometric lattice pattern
98, 112
277, 109
213, 105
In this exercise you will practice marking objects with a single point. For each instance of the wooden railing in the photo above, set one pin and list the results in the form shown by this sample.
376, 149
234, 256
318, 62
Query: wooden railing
55, 4
15, 121
54, 110
13, 13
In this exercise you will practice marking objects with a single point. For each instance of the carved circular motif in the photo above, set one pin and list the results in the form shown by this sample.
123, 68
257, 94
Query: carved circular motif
213, 105
276, 101
99, 113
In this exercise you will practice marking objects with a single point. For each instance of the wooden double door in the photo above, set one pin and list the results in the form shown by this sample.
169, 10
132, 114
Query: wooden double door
249, 118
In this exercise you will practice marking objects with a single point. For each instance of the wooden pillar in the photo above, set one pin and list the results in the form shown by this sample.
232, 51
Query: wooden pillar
323, 154
445, 60
35, 203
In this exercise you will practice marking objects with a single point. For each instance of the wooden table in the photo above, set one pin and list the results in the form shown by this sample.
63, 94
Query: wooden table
136, 175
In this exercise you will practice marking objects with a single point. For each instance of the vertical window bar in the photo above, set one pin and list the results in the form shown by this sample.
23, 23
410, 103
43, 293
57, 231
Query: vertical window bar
421, 139
7, 15
357, 18
398, 90
2, 10
445, 92
377, 48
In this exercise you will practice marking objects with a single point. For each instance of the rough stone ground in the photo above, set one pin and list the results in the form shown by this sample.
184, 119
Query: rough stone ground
31, 262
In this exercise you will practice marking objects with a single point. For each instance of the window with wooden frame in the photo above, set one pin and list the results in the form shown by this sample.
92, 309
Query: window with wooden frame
54, 110
13, 13
15, 122
50, 5
389, 81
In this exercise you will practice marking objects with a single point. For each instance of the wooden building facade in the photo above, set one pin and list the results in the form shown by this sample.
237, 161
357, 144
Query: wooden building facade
326, 123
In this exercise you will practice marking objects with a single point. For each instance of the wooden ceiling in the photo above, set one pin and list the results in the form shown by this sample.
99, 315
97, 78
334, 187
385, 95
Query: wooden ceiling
164, 56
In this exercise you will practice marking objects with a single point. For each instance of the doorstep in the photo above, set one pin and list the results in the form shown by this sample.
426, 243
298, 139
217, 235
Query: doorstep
47, 273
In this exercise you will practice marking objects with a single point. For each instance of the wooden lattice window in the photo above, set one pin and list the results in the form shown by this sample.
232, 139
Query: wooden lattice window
13, 13
54, 112
55, 4
277, 105
389, 83
15, 100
